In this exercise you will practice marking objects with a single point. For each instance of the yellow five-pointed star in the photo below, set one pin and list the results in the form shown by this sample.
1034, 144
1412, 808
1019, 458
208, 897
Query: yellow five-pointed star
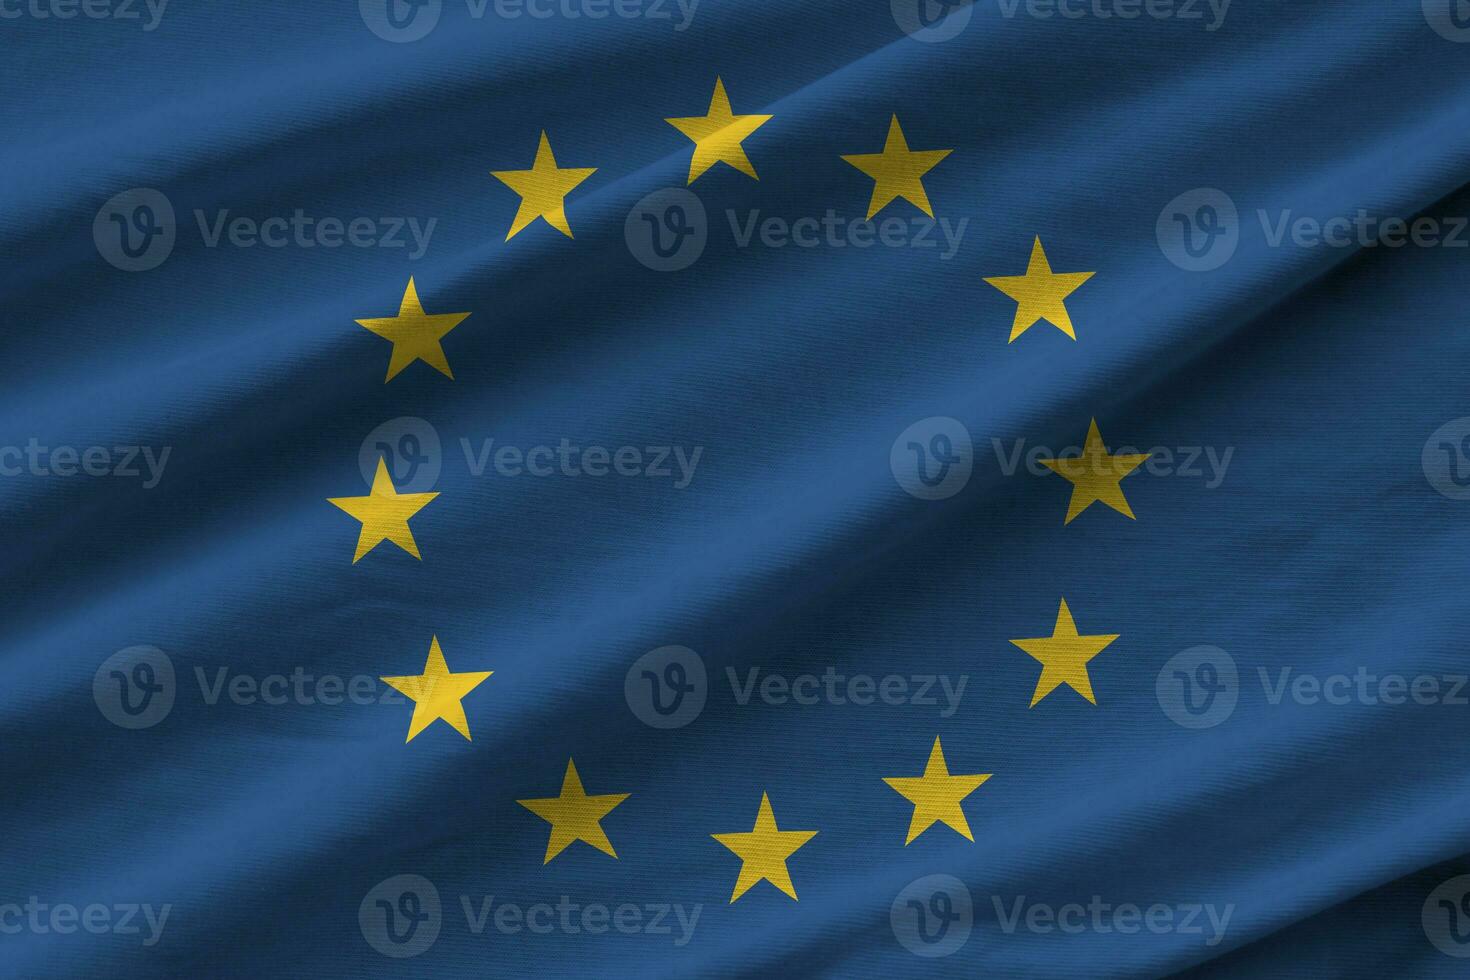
1039, 294
574, 815
898, 171
543, 189
936, 795
718, 134
763, 851
1064, 656
415, 334
1096, 476
384, 513
437, 693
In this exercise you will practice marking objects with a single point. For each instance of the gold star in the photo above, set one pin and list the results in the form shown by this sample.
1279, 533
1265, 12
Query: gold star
1096, 476
1064, 656
936, 795
1039, 294
574, 815
415, 334
384, 514
898, 171
718, 134
763, 851
543, 189
437, 693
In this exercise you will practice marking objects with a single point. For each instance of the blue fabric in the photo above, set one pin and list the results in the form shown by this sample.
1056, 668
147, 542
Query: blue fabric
1318, 530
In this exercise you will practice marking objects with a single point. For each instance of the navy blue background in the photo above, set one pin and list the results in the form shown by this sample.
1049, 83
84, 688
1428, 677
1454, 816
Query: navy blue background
793, 549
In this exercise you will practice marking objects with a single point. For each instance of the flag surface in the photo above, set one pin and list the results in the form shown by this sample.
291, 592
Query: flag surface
657, 488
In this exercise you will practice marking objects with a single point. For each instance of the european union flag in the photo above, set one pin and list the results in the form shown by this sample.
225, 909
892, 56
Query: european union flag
697, 488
